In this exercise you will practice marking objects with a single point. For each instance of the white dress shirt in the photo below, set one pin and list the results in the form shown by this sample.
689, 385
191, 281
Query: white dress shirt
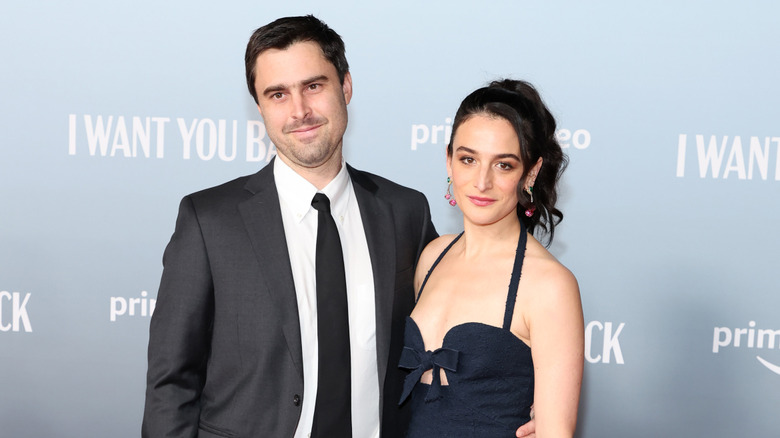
300, 229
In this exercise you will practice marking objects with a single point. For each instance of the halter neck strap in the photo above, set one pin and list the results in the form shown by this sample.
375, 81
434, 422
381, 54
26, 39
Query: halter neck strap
419, 294
516, 270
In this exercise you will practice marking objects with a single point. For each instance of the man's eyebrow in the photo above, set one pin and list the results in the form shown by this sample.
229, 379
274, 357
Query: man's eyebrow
271, 89
318, 78
274, 88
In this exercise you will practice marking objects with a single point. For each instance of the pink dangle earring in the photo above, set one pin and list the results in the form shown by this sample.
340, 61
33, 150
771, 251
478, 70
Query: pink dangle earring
530, 210
447, 195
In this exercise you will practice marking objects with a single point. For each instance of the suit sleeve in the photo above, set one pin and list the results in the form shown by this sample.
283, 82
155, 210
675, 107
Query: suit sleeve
180, 333
428, 230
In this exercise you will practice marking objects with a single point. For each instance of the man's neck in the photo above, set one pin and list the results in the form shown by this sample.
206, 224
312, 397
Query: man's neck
319, 176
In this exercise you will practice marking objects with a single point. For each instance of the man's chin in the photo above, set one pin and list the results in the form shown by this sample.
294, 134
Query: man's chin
310, 160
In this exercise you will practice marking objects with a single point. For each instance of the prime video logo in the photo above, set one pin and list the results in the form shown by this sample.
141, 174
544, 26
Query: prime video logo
750, 338
423, 134
127, 306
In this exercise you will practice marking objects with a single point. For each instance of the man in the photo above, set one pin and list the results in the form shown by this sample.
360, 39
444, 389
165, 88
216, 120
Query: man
233, 347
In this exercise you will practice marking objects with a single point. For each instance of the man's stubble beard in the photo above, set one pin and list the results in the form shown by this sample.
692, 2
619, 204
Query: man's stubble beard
319, 150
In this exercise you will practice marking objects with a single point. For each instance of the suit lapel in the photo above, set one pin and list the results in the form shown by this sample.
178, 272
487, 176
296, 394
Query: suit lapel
262, 217
263, 220
380, 235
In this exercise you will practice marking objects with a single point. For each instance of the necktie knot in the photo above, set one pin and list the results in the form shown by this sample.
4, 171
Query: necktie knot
321, 203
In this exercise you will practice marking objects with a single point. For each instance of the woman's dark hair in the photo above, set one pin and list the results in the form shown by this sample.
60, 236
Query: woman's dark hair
283, 33
519, 103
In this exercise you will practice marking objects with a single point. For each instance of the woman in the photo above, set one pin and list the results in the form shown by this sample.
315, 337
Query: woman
481, 354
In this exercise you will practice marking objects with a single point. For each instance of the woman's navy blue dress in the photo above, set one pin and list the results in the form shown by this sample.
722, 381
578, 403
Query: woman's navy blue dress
489, 370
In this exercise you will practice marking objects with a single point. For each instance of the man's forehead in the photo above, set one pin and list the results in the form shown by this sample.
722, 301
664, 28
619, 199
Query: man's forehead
302, 51
295, 64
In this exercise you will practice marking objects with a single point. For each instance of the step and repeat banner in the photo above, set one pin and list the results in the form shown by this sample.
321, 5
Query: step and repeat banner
110, 112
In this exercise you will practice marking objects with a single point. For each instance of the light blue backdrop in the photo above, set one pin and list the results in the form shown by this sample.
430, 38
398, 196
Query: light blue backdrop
668, 109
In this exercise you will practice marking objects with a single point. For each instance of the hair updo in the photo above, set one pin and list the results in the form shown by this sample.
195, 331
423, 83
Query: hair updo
519, 103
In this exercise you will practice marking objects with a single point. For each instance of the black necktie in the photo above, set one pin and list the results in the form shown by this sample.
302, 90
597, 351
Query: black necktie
332, 411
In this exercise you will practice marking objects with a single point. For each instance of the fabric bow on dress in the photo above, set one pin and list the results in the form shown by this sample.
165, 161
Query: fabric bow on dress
418, 363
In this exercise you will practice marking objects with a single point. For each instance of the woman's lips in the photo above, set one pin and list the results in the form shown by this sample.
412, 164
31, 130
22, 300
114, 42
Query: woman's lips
481, 202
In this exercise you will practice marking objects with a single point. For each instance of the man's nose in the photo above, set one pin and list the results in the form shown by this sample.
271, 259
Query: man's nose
300, 106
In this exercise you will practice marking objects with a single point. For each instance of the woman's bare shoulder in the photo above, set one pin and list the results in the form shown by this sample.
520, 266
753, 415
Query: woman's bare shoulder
433, 249
550, 274
429, 255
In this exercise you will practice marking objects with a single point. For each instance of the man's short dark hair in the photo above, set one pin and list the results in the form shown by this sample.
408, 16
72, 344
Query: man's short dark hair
284, 32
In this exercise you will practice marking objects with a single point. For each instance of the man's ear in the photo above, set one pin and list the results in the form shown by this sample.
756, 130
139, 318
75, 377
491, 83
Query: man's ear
346, 87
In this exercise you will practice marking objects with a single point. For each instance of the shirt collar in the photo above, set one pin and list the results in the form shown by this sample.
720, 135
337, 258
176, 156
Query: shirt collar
297, 193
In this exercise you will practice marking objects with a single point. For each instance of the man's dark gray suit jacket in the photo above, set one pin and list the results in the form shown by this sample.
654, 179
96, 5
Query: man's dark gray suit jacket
225, 343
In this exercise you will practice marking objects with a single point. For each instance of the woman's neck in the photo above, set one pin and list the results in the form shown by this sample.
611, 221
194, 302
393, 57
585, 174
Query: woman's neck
481, 240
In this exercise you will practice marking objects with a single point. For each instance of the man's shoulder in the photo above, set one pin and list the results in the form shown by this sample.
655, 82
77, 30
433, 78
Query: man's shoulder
382, 186
241, 187
227, 196
233, 186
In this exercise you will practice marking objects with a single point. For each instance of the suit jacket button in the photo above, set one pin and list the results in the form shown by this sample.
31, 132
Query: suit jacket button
297, 400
